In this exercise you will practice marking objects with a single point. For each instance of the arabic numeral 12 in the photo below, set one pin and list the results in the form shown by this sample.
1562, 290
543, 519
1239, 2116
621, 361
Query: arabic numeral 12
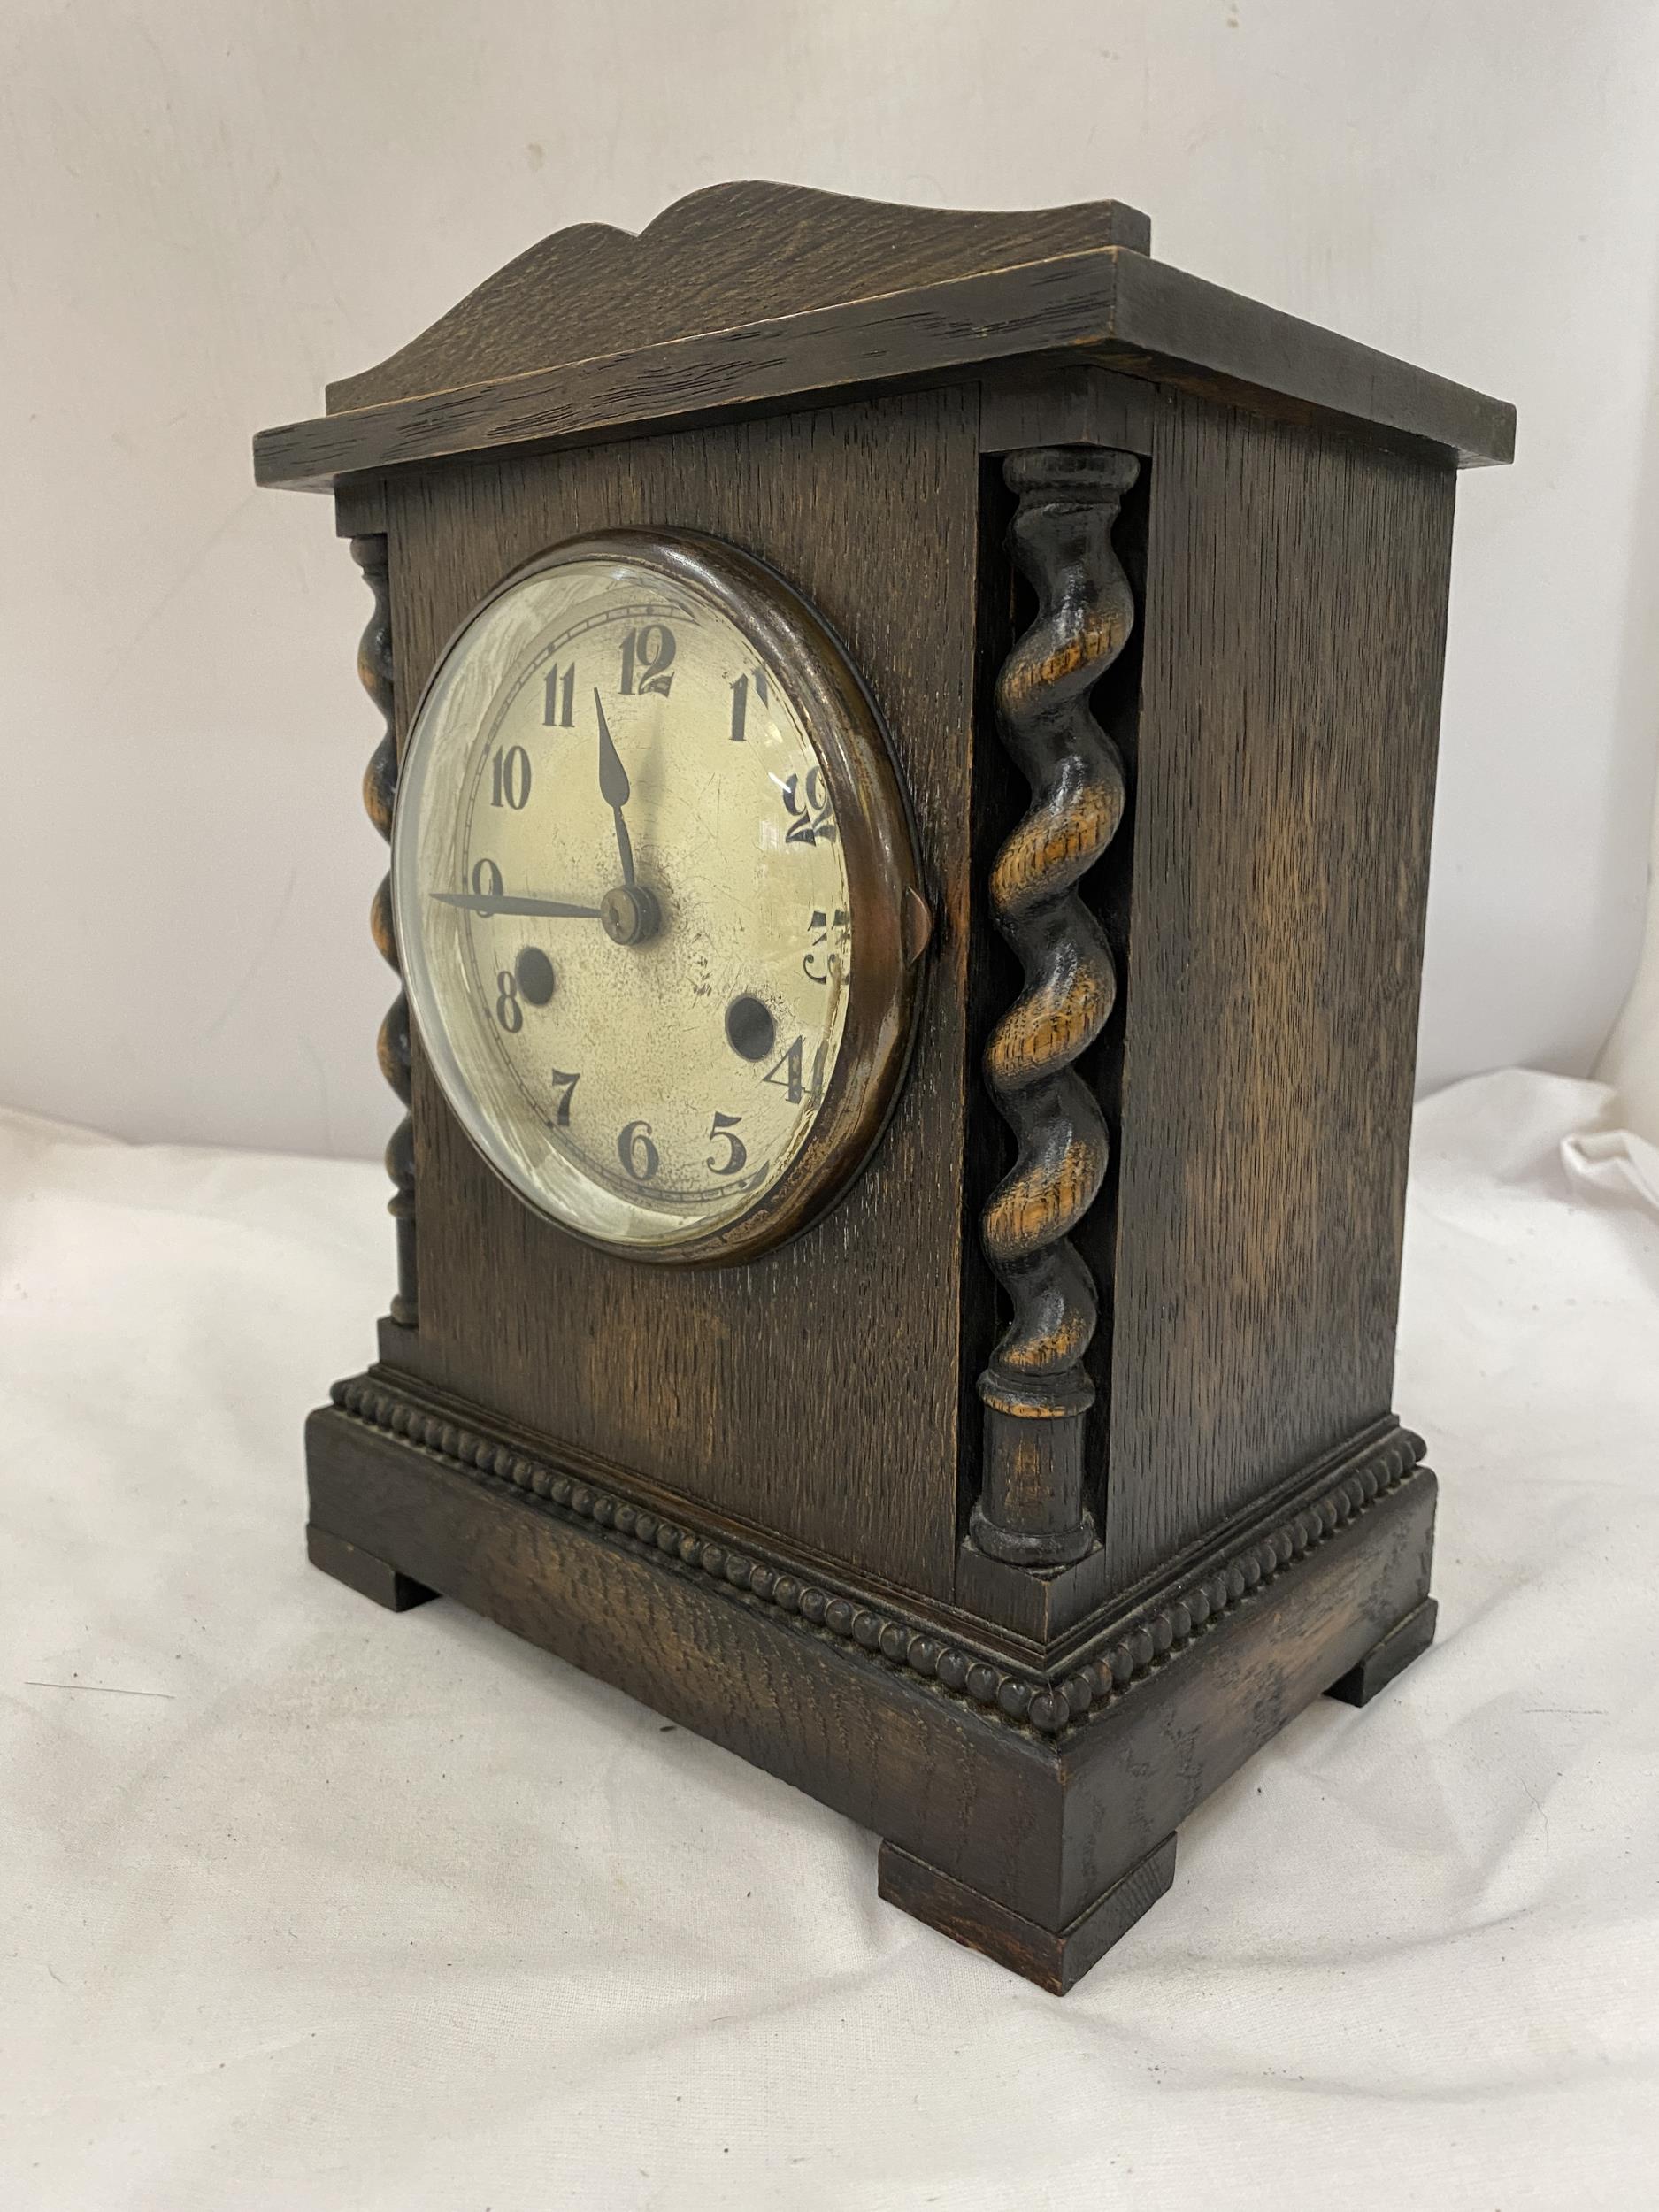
647, 657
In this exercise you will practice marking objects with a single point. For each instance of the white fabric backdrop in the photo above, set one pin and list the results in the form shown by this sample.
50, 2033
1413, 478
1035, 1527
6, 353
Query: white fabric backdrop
306, 1905
214, 205
1630, 1059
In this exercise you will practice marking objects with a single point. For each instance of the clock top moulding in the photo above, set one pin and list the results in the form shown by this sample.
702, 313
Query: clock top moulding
745, 297
1264, 1524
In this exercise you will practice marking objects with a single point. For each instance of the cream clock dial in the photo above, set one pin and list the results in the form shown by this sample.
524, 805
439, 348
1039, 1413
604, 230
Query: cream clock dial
655, 896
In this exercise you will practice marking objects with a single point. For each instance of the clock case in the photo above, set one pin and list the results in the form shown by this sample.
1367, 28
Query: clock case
1013, 1505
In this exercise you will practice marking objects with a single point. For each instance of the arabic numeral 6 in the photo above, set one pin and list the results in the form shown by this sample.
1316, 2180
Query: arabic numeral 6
636, 1151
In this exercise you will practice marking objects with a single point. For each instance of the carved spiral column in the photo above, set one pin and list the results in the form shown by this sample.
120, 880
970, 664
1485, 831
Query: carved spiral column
379, 788
1036, 1393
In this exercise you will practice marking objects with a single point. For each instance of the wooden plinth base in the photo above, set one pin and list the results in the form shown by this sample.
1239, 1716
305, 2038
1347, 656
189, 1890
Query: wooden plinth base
1032, 1827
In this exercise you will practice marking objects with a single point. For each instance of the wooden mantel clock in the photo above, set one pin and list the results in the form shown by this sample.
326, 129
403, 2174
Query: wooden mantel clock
909, 749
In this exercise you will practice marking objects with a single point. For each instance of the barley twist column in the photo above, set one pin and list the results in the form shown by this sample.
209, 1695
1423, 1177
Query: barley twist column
379, 788
1035, 1389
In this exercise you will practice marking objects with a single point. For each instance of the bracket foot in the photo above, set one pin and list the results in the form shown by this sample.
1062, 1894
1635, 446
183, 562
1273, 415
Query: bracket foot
362, 1572
1407, 1640
1053, 1958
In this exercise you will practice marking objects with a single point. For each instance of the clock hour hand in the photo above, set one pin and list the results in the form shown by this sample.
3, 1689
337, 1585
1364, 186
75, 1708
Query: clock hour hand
613, 789
505, 902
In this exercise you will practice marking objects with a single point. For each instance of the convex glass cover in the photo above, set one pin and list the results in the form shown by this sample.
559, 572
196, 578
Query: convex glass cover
655, 896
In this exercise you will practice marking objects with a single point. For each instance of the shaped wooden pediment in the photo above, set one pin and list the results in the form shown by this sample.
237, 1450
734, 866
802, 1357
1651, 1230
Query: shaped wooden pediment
732, 254
748, 297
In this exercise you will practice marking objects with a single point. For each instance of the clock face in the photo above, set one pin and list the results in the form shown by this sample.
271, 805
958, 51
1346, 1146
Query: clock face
650, 873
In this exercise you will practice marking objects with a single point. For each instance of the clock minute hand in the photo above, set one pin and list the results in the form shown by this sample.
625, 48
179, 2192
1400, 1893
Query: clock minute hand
506, 902
613, 789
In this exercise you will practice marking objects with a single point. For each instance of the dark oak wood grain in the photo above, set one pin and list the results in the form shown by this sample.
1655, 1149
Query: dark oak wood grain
364, 1571
1055, 1958
1045, 1825
1042, 405
1132, 1781
1389, 1657
1108, 305
1293, 639
1046, 1681
728, 255
745, 1494
814, 1390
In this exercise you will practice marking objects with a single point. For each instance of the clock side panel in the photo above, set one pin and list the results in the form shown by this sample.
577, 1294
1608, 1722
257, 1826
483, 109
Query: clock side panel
812, 1392
1294, 640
